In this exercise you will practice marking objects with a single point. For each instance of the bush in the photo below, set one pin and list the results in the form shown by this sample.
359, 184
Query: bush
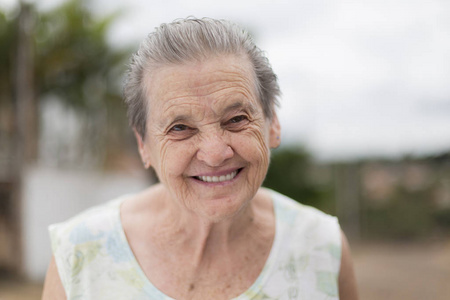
290, 174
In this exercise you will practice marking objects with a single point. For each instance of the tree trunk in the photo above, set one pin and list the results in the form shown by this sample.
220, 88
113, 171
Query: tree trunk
26, 136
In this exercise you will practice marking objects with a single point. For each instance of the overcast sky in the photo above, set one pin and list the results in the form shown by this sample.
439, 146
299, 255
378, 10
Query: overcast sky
359, 78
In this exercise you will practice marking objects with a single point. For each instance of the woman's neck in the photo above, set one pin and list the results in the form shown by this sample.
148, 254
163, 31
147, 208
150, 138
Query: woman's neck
203, 237
183, 254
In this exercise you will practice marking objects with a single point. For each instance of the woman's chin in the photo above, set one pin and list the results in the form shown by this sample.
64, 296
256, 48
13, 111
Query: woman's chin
219, 210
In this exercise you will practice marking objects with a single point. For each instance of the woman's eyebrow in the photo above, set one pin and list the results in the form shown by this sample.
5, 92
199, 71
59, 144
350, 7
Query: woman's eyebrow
239, 105
169, 121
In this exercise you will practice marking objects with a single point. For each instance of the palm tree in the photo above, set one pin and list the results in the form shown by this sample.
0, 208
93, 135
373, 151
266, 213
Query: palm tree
62, 55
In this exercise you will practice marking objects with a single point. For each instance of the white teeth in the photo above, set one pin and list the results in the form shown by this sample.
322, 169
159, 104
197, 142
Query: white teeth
218, 178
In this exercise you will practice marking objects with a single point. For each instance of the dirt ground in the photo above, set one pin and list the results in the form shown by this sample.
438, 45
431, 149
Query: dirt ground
16, 290
410, 271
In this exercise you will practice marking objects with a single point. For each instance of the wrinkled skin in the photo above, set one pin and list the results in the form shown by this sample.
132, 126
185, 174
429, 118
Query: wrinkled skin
205, 119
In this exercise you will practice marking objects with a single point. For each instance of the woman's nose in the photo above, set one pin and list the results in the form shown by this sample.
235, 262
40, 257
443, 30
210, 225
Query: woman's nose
214, 150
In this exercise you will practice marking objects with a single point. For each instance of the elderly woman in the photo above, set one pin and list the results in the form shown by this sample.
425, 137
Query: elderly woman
201, 99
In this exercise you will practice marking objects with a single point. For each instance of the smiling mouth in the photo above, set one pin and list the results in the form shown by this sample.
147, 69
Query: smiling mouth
221, 178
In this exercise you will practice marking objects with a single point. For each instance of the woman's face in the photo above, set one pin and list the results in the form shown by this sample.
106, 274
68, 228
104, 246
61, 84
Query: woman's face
208, 139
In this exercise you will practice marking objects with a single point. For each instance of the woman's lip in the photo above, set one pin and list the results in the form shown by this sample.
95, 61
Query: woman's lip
219, 180
218, 173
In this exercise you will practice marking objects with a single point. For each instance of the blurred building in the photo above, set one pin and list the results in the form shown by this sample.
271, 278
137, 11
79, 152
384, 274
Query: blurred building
394, 199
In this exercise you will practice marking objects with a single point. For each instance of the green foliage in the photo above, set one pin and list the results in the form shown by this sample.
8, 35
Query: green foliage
442, 218
7, 40
75, 65
74, 61
414, 206
290, 174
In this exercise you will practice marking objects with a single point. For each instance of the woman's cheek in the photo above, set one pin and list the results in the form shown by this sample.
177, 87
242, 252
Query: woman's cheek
160, 166
259, 138
175, 157
260, 157
168, 159
172, 169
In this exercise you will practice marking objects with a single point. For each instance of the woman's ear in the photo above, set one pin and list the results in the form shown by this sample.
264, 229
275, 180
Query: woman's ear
142, 151
275, 131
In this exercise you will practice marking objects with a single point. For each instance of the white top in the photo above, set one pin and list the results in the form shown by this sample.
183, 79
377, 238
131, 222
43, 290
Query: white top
95, 261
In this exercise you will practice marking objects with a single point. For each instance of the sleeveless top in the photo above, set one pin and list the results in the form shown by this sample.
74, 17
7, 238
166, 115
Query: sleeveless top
95, 261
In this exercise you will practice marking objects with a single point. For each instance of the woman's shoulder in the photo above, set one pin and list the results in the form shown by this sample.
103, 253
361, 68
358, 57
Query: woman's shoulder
306, 254
89, 243
144, 201
94, 214
290, 208
303, 224
87, 226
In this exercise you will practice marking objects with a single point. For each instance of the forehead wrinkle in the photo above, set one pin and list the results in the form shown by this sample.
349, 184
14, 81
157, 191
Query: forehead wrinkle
239, 83
204, 91
204, 80
236, 91
179, 112
189, 89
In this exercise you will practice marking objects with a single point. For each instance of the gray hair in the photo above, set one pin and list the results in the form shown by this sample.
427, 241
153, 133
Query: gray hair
194, 39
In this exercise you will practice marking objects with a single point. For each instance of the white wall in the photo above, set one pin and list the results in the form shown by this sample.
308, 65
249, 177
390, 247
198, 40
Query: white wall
53, 195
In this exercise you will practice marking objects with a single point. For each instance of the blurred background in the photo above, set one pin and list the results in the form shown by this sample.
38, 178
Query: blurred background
365, 114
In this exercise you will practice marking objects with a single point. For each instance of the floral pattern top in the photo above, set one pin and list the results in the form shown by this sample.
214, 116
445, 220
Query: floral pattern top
95, 261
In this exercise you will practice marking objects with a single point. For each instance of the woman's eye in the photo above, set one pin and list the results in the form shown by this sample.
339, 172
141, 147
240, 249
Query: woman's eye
179, 127
237, 119
237, 123
181, 131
